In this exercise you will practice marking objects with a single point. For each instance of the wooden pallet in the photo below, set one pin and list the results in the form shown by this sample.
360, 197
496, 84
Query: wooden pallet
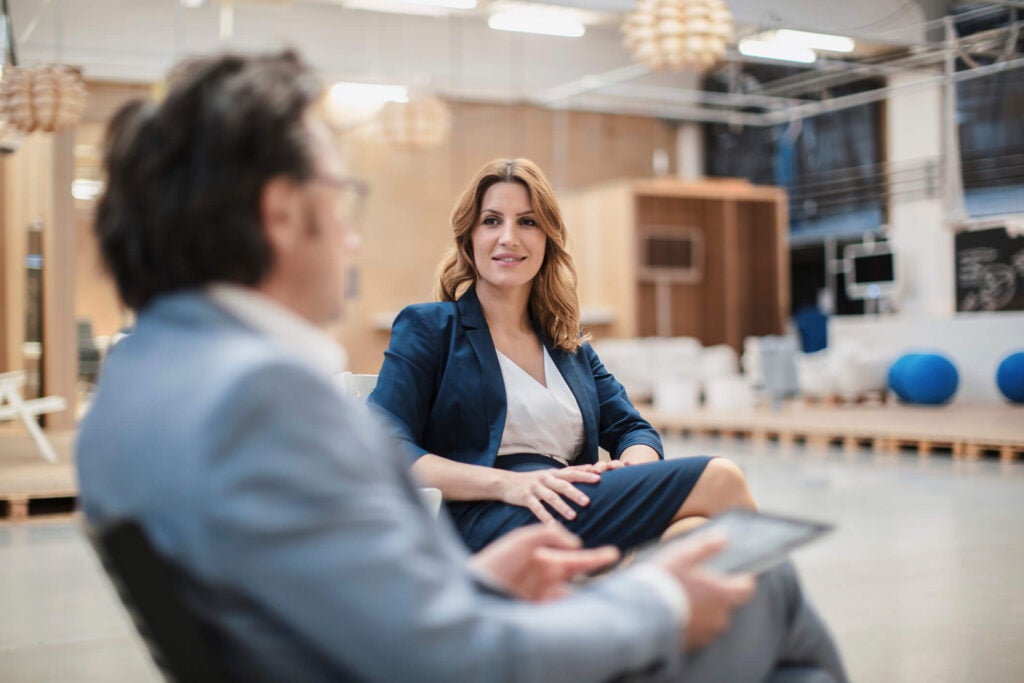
37, 505
969, 431
30, 487
870, 398
1007, 452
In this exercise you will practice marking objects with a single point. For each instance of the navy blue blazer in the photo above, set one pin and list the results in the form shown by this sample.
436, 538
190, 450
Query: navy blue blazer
442, 386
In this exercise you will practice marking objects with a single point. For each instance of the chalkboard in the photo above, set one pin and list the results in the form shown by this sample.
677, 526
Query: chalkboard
989, 271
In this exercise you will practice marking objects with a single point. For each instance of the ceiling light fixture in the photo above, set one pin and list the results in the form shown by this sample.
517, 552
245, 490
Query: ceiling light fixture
49, 98
678, 34
779, 51
351, 103
421, 123
825, 42
86, 189
542, 20
432, 8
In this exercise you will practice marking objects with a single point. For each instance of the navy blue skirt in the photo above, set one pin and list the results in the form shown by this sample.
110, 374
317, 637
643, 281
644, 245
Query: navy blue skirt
629, 506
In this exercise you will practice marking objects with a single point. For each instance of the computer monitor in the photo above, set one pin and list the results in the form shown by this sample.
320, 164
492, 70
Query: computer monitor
870, 270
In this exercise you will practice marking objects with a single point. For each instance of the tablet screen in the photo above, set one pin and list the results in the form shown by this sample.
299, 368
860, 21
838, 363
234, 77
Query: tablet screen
754, 541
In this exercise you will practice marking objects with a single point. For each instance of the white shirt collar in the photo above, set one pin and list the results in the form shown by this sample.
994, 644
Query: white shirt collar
295, 335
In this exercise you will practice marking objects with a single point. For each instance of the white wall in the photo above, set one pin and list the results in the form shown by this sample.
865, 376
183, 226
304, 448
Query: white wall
138, 40
923, 239
975, 342
918, 227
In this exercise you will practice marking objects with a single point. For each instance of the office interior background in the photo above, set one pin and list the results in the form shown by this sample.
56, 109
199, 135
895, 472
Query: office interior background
769, 205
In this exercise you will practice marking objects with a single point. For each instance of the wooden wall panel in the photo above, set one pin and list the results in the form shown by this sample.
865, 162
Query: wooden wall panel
413, 192
9, 348
745, 264
646, 307
96, 298
35, 185
30, 196
689, 310
769, 281
747, 267
604, 255
714, 275
60, 340
688, 302
25, 199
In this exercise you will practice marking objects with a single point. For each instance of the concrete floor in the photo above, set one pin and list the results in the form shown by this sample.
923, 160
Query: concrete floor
922, 581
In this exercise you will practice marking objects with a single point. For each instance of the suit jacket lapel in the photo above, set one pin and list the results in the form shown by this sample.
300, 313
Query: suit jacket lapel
492, 383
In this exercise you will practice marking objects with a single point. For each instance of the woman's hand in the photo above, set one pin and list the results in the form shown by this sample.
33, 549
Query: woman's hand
532, 489
602, 466
639, 453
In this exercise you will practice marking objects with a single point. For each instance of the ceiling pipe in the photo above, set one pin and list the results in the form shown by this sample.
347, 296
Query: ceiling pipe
784, 114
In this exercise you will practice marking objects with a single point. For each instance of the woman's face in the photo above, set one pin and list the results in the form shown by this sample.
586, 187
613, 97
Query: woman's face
508, 243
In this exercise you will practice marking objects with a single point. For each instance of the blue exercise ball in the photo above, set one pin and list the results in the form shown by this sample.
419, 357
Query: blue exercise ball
1010, 377
896, 374
924, 378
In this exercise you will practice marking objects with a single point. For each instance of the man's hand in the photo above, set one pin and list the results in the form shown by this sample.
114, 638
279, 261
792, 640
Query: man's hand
535, 562
713, 597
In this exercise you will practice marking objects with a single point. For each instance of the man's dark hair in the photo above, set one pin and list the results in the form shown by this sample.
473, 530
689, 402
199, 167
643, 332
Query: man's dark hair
184, 177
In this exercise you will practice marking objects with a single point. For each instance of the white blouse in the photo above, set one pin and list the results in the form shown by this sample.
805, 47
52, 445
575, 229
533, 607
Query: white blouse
539, 419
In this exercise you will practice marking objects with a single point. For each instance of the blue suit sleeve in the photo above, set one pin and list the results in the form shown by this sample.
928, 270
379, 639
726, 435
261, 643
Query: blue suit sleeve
407, 383
621, 424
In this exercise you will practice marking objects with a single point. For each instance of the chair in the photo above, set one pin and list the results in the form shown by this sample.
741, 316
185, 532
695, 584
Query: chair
12, 405
143, 581
360, 387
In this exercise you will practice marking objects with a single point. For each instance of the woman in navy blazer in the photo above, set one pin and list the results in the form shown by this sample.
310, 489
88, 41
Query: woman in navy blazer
508, 289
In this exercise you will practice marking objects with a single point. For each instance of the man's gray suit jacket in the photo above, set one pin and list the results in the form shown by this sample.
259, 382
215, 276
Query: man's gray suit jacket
298, 536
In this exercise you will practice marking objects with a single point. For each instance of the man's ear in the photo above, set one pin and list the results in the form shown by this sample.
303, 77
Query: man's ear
282, 212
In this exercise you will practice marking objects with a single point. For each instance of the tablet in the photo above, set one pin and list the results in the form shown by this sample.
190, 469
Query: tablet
755, 541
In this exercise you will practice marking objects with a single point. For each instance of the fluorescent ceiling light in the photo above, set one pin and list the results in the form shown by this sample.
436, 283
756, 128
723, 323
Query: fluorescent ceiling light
85, 189
346, 93
422, 7
815, 41
542, 20
450, 4
352, 103
780, 51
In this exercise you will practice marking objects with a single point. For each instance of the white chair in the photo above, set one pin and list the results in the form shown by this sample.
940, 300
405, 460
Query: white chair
12, 405
728, 394
357, 386
676, 395
360, 387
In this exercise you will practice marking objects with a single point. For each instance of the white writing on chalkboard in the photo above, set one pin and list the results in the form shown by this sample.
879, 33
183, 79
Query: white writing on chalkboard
990, 271
994, 283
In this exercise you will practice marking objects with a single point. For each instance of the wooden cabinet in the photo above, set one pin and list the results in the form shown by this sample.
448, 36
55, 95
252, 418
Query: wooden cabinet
706, 259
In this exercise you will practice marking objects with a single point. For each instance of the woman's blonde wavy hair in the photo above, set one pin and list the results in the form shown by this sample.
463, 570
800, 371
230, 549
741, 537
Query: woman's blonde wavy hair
554, 304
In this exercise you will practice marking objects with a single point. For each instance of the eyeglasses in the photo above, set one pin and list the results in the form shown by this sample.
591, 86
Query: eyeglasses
352, 198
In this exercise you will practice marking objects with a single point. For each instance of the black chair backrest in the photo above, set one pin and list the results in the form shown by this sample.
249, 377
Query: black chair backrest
146, 587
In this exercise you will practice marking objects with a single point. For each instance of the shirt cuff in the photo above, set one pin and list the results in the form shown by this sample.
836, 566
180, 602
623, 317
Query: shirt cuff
667, 587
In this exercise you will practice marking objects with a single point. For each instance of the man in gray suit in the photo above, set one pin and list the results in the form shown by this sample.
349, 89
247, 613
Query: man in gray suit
295, 531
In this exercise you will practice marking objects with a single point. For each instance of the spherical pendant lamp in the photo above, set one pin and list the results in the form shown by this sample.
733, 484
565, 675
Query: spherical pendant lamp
678, 34
49, 98
420, 123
